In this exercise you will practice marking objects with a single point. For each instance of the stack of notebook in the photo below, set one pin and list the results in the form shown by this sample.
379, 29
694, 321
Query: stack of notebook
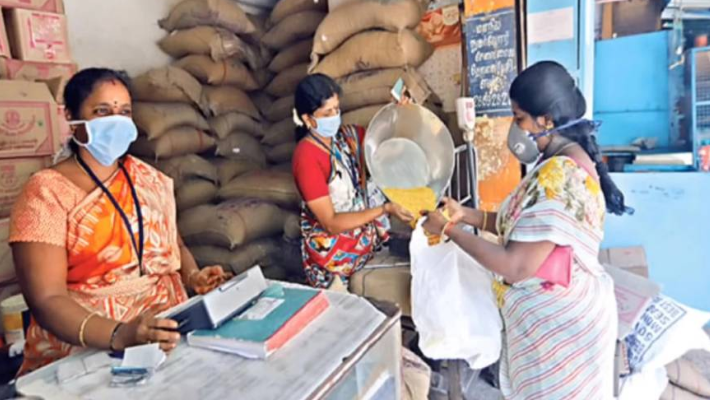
271, 321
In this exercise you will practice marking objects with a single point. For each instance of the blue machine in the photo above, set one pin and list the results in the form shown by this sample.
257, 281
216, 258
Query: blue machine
636, 94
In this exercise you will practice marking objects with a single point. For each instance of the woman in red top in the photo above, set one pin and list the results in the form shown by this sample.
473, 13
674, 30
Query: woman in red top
340, 231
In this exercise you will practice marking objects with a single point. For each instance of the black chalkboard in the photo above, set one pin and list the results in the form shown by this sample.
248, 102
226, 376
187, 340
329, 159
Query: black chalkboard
491, 51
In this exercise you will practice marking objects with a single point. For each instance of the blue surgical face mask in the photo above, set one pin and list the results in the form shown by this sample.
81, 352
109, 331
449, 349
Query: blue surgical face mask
108, 138
328, 127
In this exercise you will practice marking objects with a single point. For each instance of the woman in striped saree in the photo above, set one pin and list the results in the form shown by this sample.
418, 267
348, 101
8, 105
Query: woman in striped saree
556, 301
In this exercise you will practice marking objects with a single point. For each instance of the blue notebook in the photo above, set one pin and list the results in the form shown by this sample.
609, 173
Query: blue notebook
274, 319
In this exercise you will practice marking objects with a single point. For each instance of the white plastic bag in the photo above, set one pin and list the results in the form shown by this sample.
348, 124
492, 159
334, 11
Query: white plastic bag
648, 384
453, 306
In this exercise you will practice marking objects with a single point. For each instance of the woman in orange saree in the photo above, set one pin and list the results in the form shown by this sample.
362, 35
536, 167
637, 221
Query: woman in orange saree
95, 238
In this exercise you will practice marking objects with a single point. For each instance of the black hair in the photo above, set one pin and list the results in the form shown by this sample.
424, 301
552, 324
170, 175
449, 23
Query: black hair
311, 94
83, 83
546, 89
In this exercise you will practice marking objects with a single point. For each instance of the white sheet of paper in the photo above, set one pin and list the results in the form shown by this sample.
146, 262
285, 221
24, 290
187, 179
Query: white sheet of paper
551, 26
145, 356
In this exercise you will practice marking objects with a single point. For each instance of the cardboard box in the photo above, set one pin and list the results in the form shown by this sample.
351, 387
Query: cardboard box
4, 42
53, 6
7, 267
633, 296
14, 173
55, 75
65, 132
28, 120
631, 259
38, 36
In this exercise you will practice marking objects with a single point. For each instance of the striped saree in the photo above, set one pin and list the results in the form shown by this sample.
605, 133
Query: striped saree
558, 341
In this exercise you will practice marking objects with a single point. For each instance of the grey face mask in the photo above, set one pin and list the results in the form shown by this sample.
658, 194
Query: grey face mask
523, 145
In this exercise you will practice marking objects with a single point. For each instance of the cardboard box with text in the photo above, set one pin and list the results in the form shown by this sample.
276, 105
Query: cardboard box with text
28, 120
38, 36
53, 6
59, 74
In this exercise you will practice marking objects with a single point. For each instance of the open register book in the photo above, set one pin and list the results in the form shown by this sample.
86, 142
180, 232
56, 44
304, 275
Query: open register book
277, 316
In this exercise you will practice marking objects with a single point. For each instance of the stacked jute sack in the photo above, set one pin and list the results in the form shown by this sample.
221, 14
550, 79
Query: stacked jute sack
291, 26
366, 46
201, 105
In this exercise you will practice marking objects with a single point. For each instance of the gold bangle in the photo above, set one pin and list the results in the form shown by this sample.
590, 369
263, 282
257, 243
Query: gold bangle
83, 327
485, 220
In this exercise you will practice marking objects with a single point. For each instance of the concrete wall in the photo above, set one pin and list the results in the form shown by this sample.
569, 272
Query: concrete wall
672, 222
118, 34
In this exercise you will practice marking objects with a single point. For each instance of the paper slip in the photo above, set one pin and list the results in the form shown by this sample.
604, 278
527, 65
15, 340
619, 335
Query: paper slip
147, 356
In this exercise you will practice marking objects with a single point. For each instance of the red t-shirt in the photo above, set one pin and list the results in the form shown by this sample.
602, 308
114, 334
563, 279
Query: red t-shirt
311, 168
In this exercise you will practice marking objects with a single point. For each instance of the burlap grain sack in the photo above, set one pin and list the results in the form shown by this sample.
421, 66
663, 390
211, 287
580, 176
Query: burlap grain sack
275, 273
195, 192
239, 259
229, 169
262, 101
286, 8
280, 109
226, 72
188, 167
362, 116
226, 124
674, 392
286, 81
368, 87
260, 25
175, 142
375, 50
240, 146
263, 76
292, 226
223, 13
416, 376
297, 53
360, 16
682, 373
230, 224
283, 167
280, 133
227, 99
385, 284
292, 29
217, 43
169, 85
154, 119
272, 186
281, 153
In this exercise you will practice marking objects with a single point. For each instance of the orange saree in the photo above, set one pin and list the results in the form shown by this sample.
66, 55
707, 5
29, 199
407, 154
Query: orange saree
103, 272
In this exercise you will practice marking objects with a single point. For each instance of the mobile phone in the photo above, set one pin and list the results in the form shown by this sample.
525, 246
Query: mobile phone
398, 89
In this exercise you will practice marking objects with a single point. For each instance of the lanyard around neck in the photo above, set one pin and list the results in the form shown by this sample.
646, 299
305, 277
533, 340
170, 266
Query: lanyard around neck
137, 246
350, 169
